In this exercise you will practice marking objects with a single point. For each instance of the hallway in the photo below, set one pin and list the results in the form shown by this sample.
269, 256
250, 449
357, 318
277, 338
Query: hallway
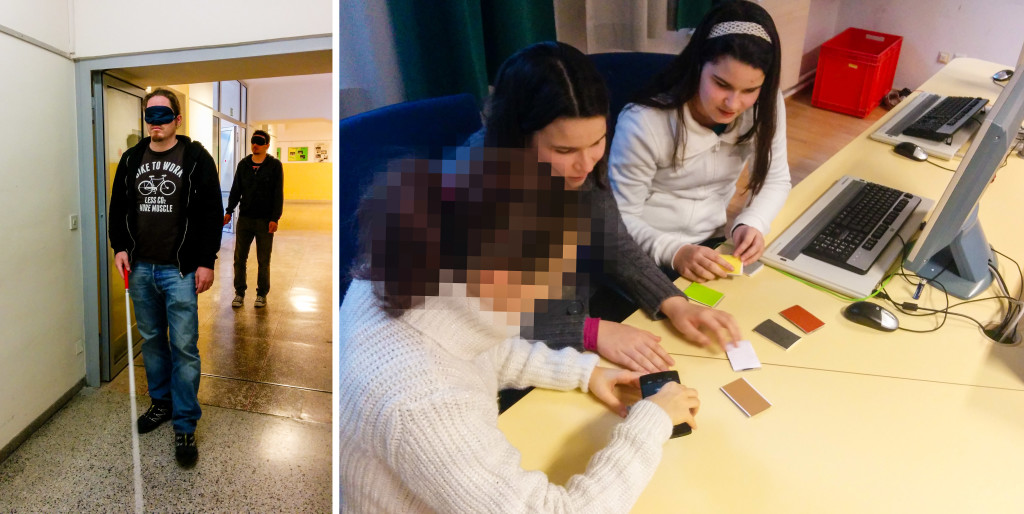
265, 434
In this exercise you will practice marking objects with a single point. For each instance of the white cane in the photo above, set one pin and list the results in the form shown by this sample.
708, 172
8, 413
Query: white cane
136, 461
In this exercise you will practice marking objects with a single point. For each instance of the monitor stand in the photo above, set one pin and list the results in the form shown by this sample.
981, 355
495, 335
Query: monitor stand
962, 267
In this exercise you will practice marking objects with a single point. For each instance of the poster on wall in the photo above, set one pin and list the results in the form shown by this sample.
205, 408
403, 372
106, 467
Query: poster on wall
298, 153
320, 152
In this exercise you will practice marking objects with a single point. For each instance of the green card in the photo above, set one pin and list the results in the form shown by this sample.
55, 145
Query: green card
703, 294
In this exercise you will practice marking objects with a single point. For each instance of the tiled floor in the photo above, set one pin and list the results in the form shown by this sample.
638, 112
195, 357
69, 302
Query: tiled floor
80, 461
275, 360
265, 434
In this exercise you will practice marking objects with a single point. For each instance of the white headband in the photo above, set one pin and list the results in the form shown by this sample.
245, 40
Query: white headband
739, 27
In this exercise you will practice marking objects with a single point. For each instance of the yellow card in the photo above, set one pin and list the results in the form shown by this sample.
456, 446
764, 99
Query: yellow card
737, 265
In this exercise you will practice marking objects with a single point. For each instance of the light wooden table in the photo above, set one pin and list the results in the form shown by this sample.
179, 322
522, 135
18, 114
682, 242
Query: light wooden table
862, 421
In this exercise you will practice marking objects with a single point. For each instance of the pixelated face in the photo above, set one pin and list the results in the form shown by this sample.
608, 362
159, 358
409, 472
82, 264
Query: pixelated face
166, 131
518, 291
727, 88
573, 146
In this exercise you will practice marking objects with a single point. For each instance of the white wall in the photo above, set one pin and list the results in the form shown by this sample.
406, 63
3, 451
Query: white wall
302, 133
989, 30
290, 98
53, 29
41, 288
129, 26
367, 70
821, 26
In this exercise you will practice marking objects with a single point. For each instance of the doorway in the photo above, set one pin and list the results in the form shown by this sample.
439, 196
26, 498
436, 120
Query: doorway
235, 359
121, 129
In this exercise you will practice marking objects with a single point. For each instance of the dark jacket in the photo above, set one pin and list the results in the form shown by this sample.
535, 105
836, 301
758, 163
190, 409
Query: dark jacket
261, 193
199, 237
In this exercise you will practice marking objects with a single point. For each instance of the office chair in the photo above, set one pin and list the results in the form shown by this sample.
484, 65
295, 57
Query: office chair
625, 73
421, 129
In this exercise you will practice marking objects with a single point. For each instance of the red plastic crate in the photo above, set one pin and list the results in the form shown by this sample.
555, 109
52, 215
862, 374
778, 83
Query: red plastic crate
855, 71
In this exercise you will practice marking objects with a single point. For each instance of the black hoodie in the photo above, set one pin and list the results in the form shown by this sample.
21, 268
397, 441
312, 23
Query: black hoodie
199, 237
261, 193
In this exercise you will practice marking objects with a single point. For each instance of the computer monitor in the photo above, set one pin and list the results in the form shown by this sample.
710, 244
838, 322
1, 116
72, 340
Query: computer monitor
952, 248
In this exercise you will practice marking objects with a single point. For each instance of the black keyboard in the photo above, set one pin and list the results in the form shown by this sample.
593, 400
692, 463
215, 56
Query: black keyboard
861, 229
943, 120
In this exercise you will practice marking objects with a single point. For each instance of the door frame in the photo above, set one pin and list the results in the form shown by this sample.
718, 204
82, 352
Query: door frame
108, 368
92, 152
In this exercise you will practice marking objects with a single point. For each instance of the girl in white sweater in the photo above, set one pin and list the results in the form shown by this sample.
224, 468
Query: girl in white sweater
451, 256
680, 148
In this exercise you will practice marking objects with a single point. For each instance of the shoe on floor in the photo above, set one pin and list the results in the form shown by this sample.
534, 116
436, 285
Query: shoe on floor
185, 450
237, 302
157, 414
261, 301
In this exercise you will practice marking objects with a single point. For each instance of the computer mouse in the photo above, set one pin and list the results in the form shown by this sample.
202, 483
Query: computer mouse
1002, 75
911, 151
871, 315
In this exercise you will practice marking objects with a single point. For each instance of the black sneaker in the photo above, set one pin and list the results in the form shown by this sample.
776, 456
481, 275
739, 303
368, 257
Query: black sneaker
185, 450
154, 417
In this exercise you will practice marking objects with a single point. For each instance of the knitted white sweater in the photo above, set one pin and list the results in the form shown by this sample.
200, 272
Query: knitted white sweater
418, 417
666, 204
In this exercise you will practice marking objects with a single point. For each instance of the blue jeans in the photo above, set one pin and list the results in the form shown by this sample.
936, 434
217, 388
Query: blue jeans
166, 304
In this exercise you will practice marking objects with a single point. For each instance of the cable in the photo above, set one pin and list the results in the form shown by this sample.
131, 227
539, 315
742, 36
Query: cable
1011, 322
929, 161
907, 307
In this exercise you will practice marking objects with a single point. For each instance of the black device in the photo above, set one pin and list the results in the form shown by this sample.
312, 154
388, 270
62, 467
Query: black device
945, 118
871, 315
1002, 75
651, 384
911, 151
858, 233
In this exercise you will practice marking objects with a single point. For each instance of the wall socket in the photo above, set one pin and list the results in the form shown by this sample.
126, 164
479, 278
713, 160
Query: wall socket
73, 222
944, 57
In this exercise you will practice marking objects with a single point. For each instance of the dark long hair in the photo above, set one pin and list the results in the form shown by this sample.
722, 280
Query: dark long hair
539, 84
680, 81
425, 223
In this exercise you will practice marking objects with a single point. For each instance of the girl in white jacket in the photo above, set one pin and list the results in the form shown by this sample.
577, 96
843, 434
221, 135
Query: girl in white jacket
681, 146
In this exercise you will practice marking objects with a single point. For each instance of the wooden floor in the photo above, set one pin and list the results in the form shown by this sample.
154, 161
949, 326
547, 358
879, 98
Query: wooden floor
813, 135
816, 134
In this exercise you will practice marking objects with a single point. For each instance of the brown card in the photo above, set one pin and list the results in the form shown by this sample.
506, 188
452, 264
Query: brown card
745, 397
803, 320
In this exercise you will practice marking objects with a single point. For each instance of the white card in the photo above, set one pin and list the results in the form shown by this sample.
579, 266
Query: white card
742, 356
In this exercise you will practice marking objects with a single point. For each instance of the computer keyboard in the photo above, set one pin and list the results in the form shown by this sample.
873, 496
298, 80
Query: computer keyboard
862, 226
945, 118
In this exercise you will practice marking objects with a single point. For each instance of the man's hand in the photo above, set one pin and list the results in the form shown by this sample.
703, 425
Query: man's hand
602, 385
227, 219
749, 243
694, 322
631, 347
121, 262
204, 279
698, 263
272, 227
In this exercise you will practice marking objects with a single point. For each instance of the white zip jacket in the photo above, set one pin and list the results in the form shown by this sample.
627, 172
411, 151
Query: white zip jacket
666, 204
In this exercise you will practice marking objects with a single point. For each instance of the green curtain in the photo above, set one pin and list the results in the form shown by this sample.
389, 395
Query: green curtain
446, 47
513, 24
690, 12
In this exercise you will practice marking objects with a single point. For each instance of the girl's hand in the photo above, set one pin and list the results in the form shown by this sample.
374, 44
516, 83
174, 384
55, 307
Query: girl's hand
698, 263
749, 243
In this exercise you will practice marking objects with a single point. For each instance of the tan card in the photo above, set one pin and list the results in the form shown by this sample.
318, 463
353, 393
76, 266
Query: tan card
746, 397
